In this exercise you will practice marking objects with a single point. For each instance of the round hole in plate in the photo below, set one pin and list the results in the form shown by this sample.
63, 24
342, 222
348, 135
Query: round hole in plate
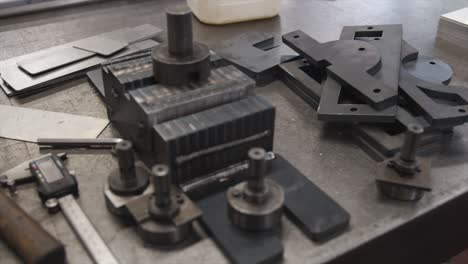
433, 63
353, 109
296, 36
362, 49
377, 90
370, 27
376, 38
462, 110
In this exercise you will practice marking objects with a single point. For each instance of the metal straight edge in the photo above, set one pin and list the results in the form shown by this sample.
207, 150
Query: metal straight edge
85, 230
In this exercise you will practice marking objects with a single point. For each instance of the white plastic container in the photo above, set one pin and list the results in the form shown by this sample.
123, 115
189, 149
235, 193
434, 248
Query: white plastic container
230, 11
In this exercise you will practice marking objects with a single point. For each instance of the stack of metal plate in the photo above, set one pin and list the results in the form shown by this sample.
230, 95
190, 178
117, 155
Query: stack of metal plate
47, 67
376, 84
453, 27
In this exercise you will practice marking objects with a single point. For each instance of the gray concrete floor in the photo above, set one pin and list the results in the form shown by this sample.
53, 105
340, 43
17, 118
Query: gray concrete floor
328, 158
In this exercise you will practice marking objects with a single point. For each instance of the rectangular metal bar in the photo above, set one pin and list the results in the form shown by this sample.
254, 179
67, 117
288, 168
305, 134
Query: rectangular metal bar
310, 208
86, 232
78, 142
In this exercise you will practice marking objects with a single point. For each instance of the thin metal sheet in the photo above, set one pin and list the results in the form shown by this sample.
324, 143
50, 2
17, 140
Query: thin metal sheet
26, 124
136, 34
100, 45
54, 59
17, 81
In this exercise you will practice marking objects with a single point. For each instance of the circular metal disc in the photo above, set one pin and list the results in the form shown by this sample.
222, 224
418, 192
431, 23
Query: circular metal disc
256, 216
430, 70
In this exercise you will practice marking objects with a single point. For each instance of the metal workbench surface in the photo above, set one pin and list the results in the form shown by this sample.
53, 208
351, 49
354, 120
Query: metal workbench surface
326, 156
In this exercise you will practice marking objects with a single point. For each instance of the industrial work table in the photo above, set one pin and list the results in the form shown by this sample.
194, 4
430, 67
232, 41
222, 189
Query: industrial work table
381, 231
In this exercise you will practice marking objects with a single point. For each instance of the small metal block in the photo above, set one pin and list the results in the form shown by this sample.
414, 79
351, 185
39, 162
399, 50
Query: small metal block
256, 216
404, 187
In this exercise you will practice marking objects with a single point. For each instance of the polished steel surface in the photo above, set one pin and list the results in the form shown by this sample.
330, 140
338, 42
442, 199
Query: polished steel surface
330, 160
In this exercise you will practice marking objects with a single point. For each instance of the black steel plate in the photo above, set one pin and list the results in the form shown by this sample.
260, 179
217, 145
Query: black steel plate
256, 54
316, 213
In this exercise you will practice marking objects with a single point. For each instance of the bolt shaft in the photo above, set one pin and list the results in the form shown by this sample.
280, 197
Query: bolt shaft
126, 158
179, 31
162, 185
412, 139
257, 168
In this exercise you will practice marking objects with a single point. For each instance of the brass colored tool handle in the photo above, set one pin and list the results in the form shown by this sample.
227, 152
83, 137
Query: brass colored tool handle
27, 237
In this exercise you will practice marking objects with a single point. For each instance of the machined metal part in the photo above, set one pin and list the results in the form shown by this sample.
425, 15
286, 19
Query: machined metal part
352, 72
330, 109
421, 94
153, 109
379, 141
257, 54
181, 60
165, 217
78, 142
406, 177
97, 248
238, 245
338, 106
223, 150
256, 204
130, 178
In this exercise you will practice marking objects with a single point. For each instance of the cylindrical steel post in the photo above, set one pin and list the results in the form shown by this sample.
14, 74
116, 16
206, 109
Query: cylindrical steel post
162, 185
257, 168
126, 157
412, 138
179, 30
